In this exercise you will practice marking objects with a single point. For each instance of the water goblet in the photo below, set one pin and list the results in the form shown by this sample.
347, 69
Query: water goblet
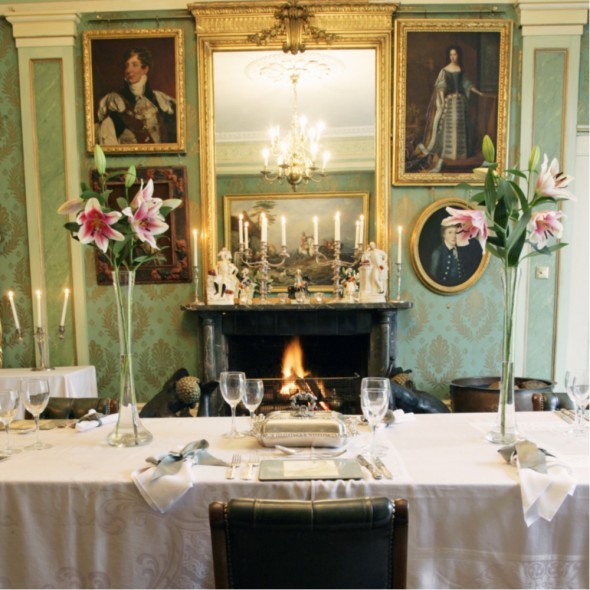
35, 395
232, 385
578, 390
375, 393
252, 398
8, 408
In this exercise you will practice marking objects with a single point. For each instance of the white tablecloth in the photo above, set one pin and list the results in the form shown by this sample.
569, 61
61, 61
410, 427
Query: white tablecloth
71, 517
79, 381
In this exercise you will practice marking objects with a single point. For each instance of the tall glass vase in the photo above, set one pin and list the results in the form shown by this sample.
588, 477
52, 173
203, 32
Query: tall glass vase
129, 431
505, 431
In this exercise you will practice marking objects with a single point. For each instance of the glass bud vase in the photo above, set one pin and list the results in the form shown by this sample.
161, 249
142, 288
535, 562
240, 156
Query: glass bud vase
129, 431
505, 431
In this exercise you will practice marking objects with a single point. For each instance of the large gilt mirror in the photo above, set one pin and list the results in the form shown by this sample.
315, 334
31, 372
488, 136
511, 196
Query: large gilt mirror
245, 88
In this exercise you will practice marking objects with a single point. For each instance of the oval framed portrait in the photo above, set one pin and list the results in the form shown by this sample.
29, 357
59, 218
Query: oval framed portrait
440, 264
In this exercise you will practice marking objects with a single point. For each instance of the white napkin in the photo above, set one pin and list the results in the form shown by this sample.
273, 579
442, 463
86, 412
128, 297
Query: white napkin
85, 425
400, 416
163, 492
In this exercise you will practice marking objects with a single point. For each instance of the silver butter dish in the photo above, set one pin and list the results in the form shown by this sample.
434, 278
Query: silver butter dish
317, 429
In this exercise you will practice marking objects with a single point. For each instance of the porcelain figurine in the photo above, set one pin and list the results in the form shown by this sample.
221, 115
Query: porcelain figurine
222, 281
374, 272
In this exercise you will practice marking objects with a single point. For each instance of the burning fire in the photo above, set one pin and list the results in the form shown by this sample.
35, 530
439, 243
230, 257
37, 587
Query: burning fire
294, 374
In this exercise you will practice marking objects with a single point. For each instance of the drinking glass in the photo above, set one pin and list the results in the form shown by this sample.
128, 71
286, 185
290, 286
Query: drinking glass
35, 395
578, 390
375, 392
252, 398
232, 385
8, 408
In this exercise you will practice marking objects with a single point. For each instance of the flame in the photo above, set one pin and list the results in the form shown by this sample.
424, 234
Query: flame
293, 360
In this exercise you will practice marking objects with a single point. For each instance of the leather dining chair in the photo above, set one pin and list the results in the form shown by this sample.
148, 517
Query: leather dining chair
339, 543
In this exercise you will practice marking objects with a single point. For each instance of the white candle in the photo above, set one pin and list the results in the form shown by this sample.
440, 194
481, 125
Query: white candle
283, 231
246, 235
315, 231
361, 230
337, 227
356, 233
62, 322
13, 307
195, 247
264, 229
265, 155
399, 244
241, 232
39, 322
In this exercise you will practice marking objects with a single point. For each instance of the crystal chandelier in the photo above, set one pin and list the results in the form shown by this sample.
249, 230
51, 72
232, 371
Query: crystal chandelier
296, 154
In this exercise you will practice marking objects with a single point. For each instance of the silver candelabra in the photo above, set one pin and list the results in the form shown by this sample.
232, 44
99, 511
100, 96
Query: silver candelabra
336, 263
263, 265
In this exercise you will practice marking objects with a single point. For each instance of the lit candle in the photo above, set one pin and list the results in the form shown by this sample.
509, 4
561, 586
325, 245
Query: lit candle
241, 232
62, 322
264, 229
399, 244
315, 231
39, 323
361, 230
337, 227
356, 233
13, 307
283, 231
265, 155
195, 247
246, 235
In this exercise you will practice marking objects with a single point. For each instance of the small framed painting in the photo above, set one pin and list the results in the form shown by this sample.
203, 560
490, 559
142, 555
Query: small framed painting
440, 264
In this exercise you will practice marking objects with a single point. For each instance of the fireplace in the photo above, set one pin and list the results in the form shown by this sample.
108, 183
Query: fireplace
341, 343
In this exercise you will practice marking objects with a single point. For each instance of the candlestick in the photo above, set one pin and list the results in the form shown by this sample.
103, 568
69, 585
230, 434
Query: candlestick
283, 231
361, 230
315, 231
64, 309
337, 227
246, 235
399, 244
241, 232
195, 246
13, 307
39, 322
399, 281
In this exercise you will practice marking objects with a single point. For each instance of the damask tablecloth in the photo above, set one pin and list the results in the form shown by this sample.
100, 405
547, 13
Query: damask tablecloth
70, 516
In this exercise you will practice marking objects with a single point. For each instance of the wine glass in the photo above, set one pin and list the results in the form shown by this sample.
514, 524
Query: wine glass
8, 408
375, 392
232, 385
35, 395
578, 390
252, 398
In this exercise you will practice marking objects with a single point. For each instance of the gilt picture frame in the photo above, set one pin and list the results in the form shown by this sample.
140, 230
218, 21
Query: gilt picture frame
433, 261
134, 90
169, 183
299, 210
452, 83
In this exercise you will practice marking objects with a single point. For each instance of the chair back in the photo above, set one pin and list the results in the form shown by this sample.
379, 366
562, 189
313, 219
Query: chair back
73, 408
341, 543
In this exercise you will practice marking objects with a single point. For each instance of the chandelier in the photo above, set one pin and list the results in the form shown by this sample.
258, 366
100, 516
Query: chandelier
296, 154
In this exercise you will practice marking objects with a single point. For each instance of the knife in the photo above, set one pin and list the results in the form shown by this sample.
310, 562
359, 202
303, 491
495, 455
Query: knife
383, 468
373, 470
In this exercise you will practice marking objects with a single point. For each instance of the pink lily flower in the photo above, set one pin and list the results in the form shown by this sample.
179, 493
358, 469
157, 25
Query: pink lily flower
551, 182
95, 225
146, 221
72, 206
145, 193
473, 225
543, 225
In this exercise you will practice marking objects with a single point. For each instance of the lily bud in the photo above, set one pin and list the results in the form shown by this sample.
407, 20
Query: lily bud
489, 153
534, 158
99, 159
130, 177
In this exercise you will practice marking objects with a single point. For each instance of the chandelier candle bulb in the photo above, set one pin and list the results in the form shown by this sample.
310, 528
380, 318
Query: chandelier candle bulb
337, 227
195, 247
13, 307
39, 322
265, 155
64, 309
283, 231
315, 231
399, 244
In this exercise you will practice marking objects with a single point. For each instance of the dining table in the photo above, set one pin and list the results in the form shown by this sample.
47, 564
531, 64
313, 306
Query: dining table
72, 517
73, 381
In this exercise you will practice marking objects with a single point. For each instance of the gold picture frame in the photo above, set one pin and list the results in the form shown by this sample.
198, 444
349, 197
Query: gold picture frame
299, 210
430, 259
119, 67
452, 82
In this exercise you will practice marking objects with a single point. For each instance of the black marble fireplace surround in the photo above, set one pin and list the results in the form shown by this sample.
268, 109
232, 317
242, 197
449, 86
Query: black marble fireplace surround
338, 340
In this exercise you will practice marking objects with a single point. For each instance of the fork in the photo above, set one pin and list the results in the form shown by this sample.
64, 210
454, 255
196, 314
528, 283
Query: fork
235, 463
252, 462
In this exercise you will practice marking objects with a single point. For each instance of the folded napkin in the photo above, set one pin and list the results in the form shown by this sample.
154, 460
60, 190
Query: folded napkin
171, 475
94, 419
400, 416
543, 487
